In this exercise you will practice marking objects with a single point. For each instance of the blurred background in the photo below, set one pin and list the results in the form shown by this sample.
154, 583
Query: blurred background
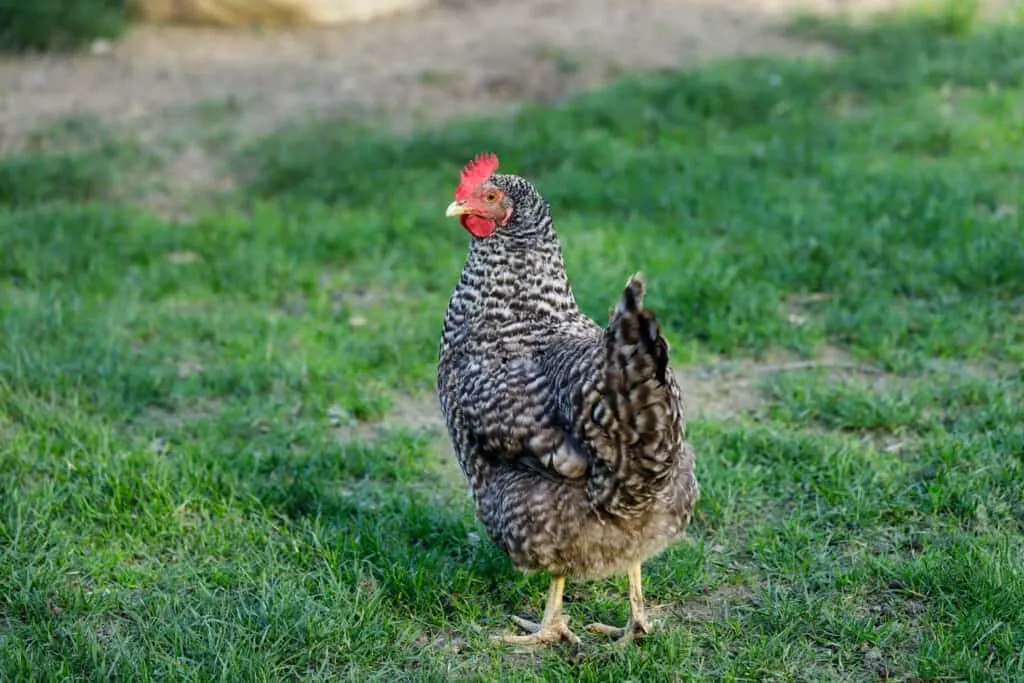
278, 60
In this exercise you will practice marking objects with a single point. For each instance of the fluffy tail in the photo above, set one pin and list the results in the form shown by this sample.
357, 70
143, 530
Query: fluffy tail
640, 414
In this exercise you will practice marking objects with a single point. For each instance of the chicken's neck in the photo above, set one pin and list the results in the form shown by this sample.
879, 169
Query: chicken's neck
513, 294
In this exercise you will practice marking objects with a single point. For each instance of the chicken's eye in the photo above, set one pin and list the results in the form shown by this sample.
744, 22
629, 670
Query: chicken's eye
491, 197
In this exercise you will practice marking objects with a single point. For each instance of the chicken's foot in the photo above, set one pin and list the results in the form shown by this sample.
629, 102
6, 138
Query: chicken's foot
552, 628
638, 625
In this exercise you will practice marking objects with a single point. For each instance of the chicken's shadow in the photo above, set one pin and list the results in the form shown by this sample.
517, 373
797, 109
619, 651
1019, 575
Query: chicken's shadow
411, 529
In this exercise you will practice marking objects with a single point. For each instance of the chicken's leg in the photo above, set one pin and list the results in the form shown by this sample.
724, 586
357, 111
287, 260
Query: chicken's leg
638, 626
552, 628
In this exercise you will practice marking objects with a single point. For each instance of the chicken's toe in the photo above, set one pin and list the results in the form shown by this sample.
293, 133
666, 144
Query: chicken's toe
634, 630
606, 630
525, 624
541, 634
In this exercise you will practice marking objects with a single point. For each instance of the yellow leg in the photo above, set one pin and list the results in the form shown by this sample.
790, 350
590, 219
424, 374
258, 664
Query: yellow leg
638, 626
552, 628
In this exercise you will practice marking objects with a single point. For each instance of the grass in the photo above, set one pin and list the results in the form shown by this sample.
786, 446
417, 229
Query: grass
58, 24
189, 491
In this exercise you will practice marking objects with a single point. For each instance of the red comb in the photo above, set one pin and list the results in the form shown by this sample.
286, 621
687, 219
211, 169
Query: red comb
475, 173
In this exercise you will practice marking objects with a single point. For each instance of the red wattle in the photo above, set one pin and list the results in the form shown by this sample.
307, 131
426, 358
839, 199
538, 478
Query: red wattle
478, 226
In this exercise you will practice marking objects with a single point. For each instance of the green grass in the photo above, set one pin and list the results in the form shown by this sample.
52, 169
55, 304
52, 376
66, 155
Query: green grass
177, 500
58, 24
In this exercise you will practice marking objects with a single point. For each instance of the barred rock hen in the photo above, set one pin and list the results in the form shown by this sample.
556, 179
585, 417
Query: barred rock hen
572, 437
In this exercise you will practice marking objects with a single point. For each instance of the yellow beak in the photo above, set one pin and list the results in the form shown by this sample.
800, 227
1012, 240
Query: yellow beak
456, 209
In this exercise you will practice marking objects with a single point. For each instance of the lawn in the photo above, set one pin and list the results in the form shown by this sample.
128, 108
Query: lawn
209, 466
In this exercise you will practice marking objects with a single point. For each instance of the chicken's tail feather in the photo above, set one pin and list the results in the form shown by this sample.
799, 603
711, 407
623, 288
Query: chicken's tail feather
639, 413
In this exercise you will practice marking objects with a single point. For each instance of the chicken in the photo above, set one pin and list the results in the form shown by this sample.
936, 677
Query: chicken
572, 437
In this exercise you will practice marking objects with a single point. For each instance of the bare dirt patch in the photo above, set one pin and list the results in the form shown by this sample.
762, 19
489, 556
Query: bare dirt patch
716, 392
734, 387
458, 57
711, 606
419, 414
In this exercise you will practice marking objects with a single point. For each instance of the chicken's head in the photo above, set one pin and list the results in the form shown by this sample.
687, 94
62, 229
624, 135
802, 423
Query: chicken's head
480, 203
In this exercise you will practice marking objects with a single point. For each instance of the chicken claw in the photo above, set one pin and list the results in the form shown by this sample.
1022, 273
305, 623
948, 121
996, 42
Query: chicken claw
541, 634
553, 627
634, 630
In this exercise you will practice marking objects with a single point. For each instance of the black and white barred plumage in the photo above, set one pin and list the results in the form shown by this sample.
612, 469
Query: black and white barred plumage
572, 437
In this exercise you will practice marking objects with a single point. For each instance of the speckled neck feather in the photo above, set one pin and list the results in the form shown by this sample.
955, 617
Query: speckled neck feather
514, 288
